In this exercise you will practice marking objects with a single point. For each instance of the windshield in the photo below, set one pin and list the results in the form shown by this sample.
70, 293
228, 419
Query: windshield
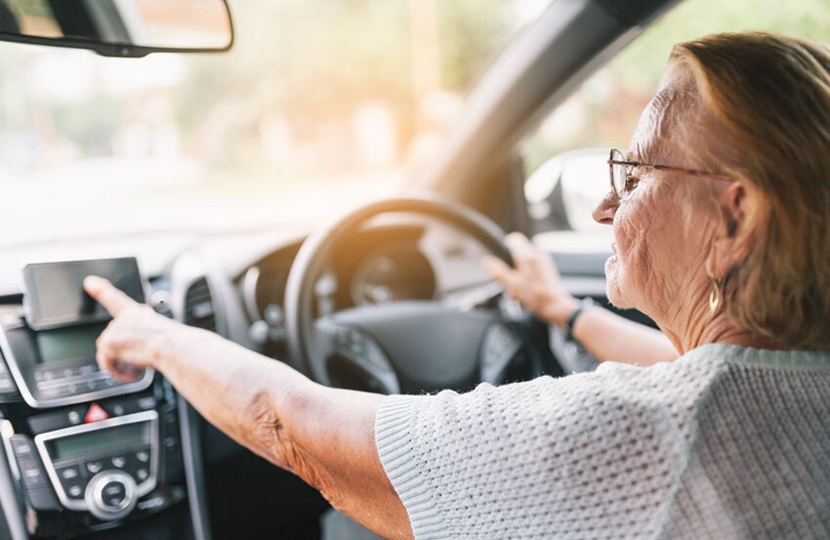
318, 106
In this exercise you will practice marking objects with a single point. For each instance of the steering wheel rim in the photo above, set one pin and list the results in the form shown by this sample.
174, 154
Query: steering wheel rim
313, 254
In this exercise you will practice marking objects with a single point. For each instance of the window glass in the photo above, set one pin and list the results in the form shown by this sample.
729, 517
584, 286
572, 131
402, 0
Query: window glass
565, 157
320, 105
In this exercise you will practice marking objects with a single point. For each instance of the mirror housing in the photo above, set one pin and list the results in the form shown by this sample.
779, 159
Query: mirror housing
562, 193
120, 28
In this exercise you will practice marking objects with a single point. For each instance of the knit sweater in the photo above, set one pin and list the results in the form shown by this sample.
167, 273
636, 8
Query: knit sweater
725, 442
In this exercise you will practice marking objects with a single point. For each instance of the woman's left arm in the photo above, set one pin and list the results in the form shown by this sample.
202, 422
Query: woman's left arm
324, 435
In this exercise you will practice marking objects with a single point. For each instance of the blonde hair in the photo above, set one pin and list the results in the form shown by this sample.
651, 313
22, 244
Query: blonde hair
770, 97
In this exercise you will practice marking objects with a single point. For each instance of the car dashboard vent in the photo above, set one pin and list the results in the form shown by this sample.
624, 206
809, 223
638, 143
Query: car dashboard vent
198, 306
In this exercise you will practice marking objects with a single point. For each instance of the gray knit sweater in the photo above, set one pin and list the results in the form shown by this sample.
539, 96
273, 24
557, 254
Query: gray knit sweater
725, 442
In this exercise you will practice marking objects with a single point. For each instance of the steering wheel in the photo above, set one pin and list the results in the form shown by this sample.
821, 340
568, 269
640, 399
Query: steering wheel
407, 346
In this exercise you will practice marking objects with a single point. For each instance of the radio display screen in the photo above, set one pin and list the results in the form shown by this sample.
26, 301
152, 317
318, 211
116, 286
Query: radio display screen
102, 440
55, 296
73, 343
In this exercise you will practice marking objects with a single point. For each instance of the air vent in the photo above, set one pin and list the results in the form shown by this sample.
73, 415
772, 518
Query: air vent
198, 306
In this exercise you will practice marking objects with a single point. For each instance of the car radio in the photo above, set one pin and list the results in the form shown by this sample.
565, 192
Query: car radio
57, 367
103, 449
103, 467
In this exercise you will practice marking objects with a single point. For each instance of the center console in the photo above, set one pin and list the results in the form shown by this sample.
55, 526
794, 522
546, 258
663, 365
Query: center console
86, 452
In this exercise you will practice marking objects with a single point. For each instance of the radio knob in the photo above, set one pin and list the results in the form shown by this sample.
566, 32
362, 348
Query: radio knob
110, 495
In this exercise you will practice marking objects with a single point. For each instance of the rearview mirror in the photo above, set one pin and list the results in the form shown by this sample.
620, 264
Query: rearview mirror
128, 28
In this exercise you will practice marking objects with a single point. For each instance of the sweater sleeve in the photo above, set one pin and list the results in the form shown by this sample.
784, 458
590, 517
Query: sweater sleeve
586, 456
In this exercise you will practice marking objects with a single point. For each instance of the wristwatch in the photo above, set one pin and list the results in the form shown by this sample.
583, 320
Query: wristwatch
584, 304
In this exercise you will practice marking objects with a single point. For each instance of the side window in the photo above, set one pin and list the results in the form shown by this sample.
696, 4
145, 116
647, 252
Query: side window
564, 158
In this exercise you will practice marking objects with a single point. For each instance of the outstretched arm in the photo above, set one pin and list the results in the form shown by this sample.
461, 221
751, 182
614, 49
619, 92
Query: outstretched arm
324, 435
536, 283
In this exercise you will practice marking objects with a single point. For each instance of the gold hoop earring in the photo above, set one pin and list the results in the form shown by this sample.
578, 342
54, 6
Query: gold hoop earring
716, 296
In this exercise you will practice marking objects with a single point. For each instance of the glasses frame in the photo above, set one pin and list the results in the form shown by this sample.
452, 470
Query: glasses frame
611, 162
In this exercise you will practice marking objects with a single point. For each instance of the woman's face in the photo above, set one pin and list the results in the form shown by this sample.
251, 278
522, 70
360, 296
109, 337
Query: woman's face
660, 225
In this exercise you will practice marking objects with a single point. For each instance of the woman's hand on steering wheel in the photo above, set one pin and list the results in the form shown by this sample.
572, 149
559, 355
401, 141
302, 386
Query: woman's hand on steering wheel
534, 281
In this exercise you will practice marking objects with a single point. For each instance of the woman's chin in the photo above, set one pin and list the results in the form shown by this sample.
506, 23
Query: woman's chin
612, 283
615, 297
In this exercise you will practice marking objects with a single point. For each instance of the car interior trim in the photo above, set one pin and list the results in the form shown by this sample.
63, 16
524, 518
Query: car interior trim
528, 77
189, 422
9, 502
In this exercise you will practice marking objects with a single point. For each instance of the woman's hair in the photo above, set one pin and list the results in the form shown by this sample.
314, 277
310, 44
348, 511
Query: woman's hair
770, 98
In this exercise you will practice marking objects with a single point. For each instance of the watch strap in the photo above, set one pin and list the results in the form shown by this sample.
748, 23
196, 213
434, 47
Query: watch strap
584, 304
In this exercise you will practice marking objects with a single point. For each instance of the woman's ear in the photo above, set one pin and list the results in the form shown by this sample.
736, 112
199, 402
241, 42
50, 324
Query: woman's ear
735, 233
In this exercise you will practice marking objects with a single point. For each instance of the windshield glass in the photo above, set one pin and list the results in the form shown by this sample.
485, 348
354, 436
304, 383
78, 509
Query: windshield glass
319, 104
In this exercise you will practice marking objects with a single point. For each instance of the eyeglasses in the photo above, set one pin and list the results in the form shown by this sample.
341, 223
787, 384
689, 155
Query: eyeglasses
622, 182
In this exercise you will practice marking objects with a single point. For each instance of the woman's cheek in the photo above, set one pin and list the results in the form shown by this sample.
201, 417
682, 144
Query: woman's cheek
627, 270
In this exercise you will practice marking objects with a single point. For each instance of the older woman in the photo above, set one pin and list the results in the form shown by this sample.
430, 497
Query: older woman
719, 211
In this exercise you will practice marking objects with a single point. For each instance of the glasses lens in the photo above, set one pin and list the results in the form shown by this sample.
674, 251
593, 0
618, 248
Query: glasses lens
618, 173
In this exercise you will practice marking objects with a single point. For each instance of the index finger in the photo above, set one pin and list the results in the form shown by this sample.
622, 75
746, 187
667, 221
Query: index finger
114, 300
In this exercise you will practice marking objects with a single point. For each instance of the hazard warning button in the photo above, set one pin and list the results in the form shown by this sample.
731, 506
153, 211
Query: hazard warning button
95, 414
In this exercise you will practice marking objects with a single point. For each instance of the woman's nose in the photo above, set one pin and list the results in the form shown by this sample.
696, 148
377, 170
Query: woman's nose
605, 210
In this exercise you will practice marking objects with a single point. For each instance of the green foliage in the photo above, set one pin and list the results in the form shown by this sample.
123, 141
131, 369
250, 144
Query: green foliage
315, 61
641, 64
471, 34
611, 101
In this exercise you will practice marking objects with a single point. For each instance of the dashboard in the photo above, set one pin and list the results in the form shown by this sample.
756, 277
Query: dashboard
83, 453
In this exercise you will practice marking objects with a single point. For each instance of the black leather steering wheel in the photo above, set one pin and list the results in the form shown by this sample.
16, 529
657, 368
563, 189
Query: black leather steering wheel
408, 346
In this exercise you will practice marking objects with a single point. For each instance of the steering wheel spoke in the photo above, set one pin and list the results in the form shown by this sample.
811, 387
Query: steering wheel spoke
351, 352
501, 343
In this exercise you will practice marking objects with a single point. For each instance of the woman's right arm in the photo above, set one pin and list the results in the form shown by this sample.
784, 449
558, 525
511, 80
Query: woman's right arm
535, 282
324, 435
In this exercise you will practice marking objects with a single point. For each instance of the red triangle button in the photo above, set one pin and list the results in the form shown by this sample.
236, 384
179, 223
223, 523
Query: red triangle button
95, 414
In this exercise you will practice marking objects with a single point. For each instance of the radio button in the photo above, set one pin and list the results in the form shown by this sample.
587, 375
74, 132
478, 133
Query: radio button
74, 491
113, 494
146, 403
53, 391
142, 474
33, 476
88, 369
119, 462
69, 473
22, 446
142, 456
94, 466
46, 375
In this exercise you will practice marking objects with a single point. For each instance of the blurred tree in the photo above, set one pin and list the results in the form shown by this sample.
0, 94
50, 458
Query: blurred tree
605, 110
315, 62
